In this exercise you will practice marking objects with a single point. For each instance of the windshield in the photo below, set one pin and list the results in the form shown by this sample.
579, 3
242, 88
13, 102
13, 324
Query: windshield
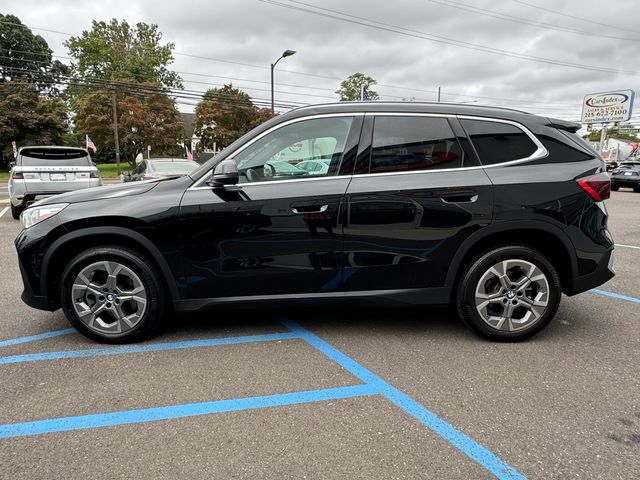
174, 167
54, 157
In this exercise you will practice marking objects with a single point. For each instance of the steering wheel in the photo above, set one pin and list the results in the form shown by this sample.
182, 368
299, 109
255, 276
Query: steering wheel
269, 170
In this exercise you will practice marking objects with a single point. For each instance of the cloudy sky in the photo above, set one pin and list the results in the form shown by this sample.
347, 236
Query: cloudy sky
541, 56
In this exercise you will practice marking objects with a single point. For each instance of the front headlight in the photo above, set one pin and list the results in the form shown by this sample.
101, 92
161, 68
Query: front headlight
36, 214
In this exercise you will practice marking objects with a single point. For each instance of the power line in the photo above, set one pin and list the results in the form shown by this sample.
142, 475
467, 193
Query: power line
435, 38
582, 19
524, 21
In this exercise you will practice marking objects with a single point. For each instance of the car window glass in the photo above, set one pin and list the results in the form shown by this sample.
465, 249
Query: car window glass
309, 148
48, 157
407, 143
498, 142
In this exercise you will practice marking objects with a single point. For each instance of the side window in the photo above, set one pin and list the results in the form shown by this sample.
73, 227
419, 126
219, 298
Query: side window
407, 143
309, 148
498, 142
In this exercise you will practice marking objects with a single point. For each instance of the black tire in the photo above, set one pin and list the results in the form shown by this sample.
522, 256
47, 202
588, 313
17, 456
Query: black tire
16, 211
466, 300
636, 189
615, 188
152, 318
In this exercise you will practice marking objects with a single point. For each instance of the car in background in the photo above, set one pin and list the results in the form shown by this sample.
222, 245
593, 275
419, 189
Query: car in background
42, 171
627, 174
154, 168
315, 167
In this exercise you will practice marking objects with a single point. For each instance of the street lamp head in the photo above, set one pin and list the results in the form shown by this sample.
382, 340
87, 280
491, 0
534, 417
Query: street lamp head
288, 53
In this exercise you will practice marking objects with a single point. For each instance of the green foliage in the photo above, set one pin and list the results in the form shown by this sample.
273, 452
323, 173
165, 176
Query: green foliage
594, 136
28, 117
225, 114
117, 50
27, 57
350, 88
149, 119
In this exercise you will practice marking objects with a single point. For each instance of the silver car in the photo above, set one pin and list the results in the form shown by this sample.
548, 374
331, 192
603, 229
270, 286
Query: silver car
45, 171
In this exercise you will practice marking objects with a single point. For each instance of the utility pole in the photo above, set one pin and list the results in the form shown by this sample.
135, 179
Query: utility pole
116, 139
438, 94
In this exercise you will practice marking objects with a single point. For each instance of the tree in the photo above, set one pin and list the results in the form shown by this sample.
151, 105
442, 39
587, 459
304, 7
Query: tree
146, 116
116, 50
225, 114
28, 117
27, 57
351, 87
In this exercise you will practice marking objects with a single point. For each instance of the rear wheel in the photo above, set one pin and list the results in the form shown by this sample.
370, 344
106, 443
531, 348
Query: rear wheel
509, 293
614, 187
636, 189
112, 295
16, 211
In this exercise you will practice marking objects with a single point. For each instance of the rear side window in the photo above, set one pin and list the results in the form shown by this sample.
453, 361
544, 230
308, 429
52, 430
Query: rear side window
49, 157
408, 143
498, 142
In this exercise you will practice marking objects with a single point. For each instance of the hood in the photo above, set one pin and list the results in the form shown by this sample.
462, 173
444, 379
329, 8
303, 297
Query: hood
100, 193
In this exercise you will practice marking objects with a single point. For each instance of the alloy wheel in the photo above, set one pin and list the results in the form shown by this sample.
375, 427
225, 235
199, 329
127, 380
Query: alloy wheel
512, 295
109, 297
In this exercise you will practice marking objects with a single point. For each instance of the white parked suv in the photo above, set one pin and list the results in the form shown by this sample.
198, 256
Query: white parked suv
41, 172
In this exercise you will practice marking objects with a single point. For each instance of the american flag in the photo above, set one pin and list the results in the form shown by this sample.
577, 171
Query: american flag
365, 95
90, 144
189, 154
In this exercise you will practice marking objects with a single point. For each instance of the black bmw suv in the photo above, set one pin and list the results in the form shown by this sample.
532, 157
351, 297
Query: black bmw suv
496, 211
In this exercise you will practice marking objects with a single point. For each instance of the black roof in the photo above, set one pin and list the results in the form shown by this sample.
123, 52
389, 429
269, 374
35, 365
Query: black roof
429, 107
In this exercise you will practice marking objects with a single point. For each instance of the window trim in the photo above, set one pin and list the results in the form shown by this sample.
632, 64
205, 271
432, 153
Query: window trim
541, 151
202, 179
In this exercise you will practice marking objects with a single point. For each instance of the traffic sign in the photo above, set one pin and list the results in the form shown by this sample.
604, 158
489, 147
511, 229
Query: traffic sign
608, 107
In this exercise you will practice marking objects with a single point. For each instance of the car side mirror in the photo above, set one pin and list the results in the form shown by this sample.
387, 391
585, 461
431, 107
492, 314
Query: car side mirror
225, 173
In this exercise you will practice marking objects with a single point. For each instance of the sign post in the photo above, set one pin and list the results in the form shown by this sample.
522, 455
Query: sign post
607, 107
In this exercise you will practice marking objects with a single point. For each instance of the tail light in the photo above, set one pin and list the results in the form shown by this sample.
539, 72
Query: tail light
95, 174
17, 175
597, 186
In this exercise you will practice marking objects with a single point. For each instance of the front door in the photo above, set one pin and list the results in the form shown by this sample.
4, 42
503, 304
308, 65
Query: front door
278, 230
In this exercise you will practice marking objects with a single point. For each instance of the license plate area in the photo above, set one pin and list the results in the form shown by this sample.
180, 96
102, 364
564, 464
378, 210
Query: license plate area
58, 177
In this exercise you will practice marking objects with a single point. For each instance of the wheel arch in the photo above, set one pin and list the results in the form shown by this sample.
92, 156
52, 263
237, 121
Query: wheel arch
550, 240
70, 244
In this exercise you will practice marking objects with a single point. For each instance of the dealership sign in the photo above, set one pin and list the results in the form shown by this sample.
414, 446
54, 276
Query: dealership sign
608, 107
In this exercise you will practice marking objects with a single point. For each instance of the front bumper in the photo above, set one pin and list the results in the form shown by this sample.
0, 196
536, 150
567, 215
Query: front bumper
28, 295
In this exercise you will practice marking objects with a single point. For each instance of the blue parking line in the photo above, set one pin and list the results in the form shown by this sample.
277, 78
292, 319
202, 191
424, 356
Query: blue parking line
40, 336
155, 414
615, 295
156, 347
462, 442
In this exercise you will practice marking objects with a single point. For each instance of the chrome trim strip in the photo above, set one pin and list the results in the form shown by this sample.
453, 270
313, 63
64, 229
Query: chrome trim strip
276, 127
276, 182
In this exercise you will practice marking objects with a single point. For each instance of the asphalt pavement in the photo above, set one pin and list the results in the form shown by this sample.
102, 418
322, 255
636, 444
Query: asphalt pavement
328, 393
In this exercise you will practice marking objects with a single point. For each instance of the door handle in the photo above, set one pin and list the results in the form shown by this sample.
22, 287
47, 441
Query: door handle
459, 197
310, 209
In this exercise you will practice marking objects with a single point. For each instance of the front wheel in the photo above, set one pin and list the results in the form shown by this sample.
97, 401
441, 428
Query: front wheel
509, 293
112, 295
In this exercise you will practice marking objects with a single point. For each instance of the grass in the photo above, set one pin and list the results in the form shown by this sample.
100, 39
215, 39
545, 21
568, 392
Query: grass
4, 174
108, 170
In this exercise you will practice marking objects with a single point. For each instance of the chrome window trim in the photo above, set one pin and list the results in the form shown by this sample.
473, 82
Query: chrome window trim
268, 131
540, 152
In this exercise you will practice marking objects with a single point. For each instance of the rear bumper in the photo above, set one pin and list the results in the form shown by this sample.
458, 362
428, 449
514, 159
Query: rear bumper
625, 181
603, 273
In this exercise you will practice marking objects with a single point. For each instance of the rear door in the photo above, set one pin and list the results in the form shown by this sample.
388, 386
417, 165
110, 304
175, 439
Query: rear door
417, 194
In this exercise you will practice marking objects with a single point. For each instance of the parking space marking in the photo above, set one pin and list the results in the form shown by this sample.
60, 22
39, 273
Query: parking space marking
139, 348
145, 415
40, 336
626, 246
615, 295
462, 442
3, 211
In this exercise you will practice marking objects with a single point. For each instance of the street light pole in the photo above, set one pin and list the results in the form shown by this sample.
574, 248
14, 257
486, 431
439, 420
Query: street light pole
116, 138
286, 53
